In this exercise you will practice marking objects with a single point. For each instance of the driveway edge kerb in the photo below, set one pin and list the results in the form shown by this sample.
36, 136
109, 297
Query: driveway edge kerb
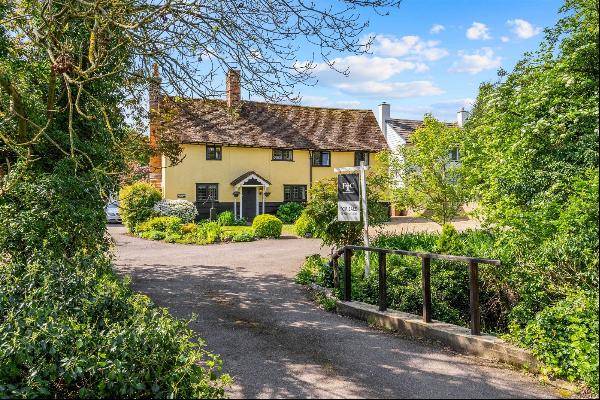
456, 337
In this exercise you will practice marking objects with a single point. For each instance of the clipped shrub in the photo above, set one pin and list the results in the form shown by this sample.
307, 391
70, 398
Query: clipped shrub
565, 337
304, 226
226, 218
266, 225
288, 213
183, 209
163, 224
136, 204
208, 232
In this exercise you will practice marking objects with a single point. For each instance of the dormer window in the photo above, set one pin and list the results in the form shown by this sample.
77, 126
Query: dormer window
283, 155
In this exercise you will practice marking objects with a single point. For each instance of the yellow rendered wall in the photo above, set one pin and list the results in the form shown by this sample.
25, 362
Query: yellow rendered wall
195, 168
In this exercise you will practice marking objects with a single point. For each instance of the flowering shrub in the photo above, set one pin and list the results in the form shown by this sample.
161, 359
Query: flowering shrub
186, 210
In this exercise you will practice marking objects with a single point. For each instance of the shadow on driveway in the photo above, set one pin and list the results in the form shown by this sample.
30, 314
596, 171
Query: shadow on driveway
277, 343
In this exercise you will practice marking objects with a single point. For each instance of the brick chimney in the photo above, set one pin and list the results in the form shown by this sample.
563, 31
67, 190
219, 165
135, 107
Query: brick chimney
155, 163
233, 87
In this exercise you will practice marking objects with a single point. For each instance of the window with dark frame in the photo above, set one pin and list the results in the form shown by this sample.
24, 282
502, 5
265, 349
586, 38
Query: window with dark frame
207, 191
283, 155
213, 152
361, 156
454, 155
321, 159
294, 193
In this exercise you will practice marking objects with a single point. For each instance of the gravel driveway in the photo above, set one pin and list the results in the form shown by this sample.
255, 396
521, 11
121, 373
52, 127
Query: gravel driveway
276, 343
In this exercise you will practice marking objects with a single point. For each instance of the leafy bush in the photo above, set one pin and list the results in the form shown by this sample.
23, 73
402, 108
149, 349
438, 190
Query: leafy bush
183, 209
322, 211
173, 238
266, 225
448, 241
226, 218
304, 226
288, 213
243, 237
188, 228
240, 222
208, 232
70, 328
73, 329
565, 337
315, 269
153, 235
162, 224
136, 204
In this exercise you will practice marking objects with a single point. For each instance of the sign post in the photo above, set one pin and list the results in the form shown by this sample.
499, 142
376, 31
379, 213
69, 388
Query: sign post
352, 196
363, 198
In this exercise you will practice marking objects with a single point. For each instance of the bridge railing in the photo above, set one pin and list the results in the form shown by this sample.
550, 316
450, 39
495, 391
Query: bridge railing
426, 258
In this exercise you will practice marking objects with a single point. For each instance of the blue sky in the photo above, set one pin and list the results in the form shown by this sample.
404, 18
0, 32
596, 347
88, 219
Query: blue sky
431, 56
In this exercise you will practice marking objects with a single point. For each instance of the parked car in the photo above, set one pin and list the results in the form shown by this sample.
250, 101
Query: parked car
112, 212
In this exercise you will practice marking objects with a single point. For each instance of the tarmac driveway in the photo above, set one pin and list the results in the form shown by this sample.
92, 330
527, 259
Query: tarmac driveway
277, 343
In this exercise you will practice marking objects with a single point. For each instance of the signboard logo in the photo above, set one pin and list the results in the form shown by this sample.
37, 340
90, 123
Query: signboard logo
348, 198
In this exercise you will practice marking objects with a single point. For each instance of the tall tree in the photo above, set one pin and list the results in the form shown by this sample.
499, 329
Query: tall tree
531, 152
429, 174
73, 79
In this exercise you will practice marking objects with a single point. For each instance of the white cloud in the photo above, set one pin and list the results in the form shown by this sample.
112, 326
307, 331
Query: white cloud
504, 39
348, 103
478, 31
437, 28
523, 29
476, 62
410, 47
308, 100
453, 105
363, 67
391, 89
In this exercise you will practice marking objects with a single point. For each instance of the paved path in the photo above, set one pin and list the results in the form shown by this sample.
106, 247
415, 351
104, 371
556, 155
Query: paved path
277, 343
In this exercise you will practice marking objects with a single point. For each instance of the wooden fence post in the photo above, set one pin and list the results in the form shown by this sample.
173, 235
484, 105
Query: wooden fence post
426, 284
382, 281
336, 272
474, 298
347, 274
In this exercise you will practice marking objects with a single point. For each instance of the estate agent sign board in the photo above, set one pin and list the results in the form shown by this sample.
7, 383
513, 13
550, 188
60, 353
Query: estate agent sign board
348, 197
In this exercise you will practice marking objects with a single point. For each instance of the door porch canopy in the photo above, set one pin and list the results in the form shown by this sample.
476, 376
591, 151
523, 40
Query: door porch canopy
249, 179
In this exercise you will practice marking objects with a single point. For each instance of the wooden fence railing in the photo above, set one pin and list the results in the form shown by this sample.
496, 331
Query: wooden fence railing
426, 278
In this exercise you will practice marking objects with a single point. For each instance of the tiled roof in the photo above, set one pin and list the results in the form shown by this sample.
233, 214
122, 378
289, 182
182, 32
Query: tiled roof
273, 125
405, 127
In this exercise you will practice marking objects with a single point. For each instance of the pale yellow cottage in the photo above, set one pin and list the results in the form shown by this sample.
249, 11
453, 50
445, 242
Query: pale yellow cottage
250, 157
